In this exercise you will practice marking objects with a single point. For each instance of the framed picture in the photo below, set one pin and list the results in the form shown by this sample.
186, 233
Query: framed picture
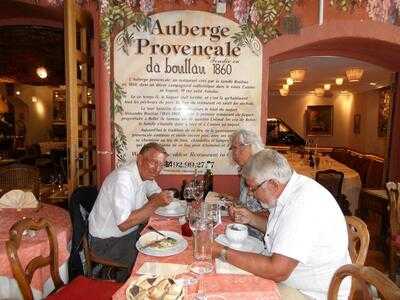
385, 97
357, 124
319, 120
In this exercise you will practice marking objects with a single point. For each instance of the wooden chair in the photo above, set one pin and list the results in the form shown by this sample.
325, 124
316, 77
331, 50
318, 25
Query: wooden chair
358, 239
19, 176
393, 190
82, 286
332, 180
366, 276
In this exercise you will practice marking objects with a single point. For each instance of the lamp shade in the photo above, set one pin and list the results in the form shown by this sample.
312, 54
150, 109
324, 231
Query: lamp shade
339, 81
285, 86
298, 75
283, 92
289, 81
327, 86
41, 72
354, 74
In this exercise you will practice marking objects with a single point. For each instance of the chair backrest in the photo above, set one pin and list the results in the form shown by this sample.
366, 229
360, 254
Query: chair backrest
19, 176
338, 154
374, 176
332, 180
393, 190
366, 276
24, 275
358, 239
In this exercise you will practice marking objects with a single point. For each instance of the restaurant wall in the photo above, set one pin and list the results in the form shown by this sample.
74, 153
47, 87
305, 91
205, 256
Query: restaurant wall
291, 109
367, 141
39, 119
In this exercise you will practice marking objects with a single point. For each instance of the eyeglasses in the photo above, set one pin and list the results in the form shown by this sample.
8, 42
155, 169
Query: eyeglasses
238, 147
254, 189
154, 163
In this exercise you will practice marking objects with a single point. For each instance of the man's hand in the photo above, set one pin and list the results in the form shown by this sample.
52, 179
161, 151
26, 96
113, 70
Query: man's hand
241, 215
162, 199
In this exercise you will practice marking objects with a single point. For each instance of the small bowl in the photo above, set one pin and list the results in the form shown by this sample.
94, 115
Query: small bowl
174, 205
236, 233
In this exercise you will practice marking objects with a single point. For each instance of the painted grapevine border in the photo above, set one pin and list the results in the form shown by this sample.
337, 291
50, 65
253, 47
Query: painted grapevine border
119, 140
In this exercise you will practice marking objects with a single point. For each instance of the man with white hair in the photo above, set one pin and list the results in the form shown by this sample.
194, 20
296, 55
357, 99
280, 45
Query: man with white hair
305, 238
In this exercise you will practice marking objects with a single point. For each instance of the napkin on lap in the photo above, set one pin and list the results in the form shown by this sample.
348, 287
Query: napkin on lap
164, 269
226, 268
18, 199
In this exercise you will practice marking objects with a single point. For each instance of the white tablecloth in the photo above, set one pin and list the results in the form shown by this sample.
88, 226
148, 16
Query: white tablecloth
351, 182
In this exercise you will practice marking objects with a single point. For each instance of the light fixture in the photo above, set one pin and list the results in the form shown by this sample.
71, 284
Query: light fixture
34, 99
354, 74
3, 106
17, 93
283, 92
339, 81
285, 86
298, 75
289, 81
319, 92
41, 72
327, 86
344, 92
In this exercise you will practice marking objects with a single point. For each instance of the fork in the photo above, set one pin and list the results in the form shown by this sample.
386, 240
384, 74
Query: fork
151, 228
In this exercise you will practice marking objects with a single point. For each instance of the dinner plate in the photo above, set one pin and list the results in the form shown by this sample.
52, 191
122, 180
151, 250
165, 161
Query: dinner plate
251, 244
178, 212
151, 236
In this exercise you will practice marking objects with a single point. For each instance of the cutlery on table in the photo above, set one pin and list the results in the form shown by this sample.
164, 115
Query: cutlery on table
168, 238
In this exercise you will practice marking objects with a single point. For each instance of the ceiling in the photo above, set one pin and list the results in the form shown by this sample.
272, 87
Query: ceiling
324, 69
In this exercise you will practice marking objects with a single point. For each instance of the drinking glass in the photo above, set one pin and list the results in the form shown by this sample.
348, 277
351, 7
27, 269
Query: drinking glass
202, 248
188, 192
214, 214
198, 190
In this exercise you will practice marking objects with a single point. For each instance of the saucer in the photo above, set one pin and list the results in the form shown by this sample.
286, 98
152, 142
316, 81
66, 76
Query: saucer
250, 244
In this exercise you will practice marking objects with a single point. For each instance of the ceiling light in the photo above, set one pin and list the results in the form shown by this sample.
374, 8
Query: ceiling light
373, 83
354, 74
34, 99
289, 81
327, 86
339, 81
283, 92
285, 86
319, 92
41, 72
17, 93
297, 75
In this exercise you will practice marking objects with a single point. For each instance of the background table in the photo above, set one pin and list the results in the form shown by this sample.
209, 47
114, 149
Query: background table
32, 247
232, 287
351, 182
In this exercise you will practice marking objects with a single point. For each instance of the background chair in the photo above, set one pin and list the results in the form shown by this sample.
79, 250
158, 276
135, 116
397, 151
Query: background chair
365, 276
80, 206
19, 176
332, 180
81, 288
358, 239
393, 190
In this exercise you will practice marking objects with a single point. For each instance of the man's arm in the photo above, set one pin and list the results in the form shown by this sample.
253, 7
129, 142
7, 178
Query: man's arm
142, 214
244, 216
276, 267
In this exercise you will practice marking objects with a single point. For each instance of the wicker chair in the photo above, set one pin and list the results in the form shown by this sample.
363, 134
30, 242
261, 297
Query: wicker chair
19, 176
393, 190
332, 180
358, 239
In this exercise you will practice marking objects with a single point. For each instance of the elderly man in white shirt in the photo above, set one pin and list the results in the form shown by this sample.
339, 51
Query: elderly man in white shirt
128, 197
306, 237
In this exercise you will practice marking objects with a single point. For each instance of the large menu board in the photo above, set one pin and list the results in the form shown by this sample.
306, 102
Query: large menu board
187, 85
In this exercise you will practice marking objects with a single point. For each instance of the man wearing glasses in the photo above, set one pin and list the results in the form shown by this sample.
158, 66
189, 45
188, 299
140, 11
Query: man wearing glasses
305, 238
127, 198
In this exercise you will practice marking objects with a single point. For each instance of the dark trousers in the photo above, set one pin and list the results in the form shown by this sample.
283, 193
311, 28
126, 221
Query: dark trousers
119, 249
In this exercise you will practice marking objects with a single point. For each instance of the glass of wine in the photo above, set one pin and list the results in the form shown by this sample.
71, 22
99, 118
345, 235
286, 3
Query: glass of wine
198, 190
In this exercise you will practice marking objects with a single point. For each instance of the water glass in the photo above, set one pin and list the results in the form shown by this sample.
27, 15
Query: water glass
202, 247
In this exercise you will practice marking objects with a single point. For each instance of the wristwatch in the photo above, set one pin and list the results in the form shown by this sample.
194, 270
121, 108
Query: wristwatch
223, 254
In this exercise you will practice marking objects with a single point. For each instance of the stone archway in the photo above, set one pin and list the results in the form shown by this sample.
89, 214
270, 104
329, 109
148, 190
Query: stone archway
373, 42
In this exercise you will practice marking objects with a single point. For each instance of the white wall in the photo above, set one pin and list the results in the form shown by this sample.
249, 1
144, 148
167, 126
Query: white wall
292, 109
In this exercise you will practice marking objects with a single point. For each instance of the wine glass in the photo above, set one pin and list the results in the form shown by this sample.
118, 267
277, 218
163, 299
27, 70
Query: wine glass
198, 190
188, 192
214, 214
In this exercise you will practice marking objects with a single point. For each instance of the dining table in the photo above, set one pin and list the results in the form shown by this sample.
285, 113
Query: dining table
34, 244
220, 286
351, 186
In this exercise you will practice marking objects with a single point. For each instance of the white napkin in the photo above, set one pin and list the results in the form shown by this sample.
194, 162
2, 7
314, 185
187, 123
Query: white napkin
226, 268
163, 269
212, 197
18, 199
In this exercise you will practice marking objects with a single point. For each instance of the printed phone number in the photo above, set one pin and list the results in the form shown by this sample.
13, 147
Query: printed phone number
189, 164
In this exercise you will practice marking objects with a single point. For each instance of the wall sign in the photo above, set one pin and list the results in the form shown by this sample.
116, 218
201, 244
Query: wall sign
185, 84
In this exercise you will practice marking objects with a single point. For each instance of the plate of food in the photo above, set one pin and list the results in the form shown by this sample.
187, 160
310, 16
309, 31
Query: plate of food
154, 244
176, 208
149, 287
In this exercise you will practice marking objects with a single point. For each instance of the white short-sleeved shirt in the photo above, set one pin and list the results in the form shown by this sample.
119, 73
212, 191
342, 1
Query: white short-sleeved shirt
308, 226
122, 192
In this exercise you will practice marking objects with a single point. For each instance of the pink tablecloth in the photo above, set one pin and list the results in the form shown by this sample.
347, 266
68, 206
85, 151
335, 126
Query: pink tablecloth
37, 245
232, 287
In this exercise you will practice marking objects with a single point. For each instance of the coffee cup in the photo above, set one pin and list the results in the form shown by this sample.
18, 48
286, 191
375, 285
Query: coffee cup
236, 233
172, 206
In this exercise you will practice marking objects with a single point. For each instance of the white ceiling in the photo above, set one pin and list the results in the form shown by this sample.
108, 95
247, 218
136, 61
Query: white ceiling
324, 69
